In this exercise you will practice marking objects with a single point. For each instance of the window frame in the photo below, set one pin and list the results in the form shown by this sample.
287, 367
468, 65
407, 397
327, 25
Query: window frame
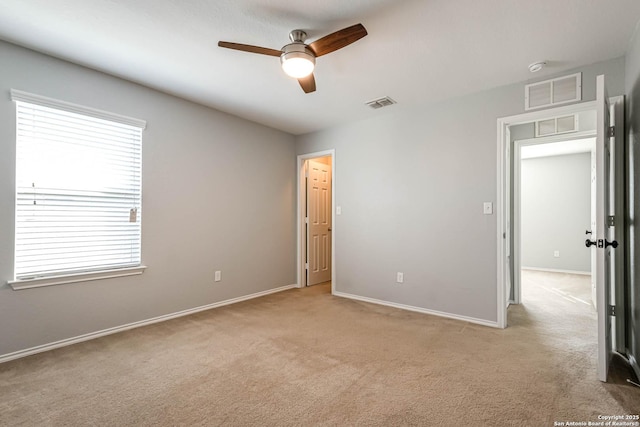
73, 276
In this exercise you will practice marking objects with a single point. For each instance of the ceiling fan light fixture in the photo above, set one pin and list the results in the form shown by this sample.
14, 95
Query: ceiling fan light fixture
297, 61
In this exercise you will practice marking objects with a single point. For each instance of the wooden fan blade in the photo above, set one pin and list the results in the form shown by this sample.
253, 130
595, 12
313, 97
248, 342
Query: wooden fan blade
308, 83
249, 48
338, 40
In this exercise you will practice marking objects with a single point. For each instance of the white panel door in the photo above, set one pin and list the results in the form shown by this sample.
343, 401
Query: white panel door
319, 223
603, 234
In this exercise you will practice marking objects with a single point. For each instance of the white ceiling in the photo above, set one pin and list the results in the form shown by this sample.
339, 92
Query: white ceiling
417, 51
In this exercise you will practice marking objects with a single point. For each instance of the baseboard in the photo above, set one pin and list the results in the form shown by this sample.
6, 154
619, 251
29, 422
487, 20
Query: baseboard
115, 330
554, 270
418, 309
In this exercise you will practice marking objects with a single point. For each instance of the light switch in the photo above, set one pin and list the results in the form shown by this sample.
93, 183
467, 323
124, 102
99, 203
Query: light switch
488, 208
338, 210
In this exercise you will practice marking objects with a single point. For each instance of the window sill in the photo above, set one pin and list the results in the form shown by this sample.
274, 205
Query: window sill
75, 278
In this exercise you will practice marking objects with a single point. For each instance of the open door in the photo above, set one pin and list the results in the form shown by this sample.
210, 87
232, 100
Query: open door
603, 235
319, 223
593, 228
507, 235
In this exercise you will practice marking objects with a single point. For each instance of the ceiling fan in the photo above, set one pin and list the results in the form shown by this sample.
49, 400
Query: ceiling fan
298, 59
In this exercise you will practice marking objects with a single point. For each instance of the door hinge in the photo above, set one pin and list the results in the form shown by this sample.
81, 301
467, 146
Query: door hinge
612, 131
611, 220
306, 220
612, 310
306, 265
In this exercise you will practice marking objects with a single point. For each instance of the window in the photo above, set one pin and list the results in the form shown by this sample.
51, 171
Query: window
78, 189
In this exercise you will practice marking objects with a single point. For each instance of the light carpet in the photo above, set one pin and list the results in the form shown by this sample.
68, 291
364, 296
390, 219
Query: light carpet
304, 357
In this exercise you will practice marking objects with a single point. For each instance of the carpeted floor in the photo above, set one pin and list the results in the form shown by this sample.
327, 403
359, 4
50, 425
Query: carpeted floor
304, 357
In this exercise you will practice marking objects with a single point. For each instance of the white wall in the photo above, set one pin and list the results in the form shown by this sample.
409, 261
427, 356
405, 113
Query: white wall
218, 194
411, 184
632, 88
555, 197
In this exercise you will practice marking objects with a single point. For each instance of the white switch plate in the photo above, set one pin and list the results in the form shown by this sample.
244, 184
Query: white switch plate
338, 210
218, 276
400, 277
487, 208
556, 254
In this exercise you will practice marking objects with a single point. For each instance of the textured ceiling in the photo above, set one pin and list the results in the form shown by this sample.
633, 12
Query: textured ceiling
417, 51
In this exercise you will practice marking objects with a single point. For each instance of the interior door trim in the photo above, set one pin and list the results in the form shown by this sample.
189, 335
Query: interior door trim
301, 202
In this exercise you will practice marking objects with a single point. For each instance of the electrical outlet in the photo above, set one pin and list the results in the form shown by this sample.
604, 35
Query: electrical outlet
556, 254
218, 276
400, 277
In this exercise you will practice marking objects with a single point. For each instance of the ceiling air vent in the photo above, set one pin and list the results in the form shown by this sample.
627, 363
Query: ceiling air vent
382, 102
553, 92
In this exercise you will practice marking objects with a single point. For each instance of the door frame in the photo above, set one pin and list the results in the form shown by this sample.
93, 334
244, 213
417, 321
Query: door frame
516, 254
301, 229
503, 208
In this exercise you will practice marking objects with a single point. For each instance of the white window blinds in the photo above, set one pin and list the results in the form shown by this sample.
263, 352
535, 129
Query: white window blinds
78, 188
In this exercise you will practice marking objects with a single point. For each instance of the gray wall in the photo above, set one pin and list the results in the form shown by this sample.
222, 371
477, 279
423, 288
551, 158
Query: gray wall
632, 87
555, 197
411, 183
218, 194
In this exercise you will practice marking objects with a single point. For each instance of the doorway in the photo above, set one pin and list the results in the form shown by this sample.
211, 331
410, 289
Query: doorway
316, 219
511, 129
609, 266
553, 212
554, 205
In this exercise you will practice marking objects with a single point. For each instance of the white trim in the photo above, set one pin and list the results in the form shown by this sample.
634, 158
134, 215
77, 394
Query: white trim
555, 270
585, 134
98, 334
502, 208
418, 309
40, 282
18, 95
532, 116
502, 219
302, 158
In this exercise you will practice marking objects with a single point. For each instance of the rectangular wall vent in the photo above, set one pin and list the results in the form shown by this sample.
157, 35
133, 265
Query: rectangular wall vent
553, 92
381, 102
557, 125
